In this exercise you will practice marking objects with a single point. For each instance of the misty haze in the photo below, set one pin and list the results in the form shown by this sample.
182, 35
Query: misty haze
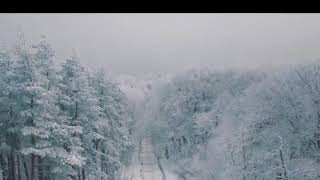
159, 96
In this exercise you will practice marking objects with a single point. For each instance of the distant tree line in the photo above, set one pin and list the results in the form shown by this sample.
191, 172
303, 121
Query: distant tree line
246, 125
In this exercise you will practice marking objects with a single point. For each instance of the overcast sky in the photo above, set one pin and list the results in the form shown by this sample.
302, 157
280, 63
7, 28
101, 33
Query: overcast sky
143, 43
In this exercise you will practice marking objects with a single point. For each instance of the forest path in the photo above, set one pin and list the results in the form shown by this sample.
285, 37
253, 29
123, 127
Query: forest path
144, 163
146, 159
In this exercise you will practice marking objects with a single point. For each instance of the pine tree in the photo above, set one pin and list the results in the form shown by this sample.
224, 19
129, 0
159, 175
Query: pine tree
6, 113
114, 123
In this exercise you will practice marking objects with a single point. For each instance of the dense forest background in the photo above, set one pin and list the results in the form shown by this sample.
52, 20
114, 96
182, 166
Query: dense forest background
65, 121
248, 125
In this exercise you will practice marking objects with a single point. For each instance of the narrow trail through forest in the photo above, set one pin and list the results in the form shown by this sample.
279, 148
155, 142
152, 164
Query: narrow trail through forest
146, 159
144, 165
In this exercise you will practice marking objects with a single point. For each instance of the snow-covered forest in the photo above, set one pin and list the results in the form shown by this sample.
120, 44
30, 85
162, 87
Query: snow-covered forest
63, 120
248, 125
59, 121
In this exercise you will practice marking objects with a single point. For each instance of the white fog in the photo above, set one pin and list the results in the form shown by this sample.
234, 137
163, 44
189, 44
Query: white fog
195, 96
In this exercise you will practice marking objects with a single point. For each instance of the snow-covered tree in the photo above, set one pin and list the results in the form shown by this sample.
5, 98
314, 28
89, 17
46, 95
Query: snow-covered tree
59, 122
115, 122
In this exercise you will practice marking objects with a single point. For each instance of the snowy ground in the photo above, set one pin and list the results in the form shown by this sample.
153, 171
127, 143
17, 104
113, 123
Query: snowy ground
144, 164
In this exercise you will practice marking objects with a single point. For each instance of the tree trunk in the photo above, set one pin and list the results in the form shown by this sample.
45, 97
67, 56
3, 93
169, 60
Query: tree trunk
18, 167
107, 163
79, 174
98, 159
26, 170
76, 112
33, 164
317, 138
161, 169
244, 159
4, 167
139, 154
33, 158
166, 153
103, 160
255, 169
83, 173
73, 177
9, 167
48, 173
13, 166
285, 174
40, 169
